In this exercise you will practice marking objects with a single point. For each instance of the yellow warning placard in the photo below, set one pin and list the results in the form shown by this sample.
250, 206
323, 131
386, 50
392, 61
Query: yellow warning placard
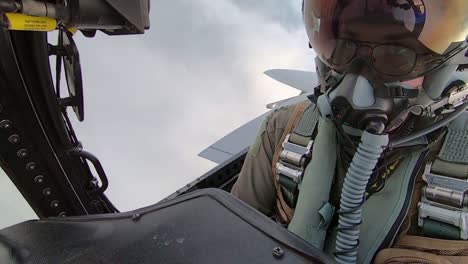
30, 23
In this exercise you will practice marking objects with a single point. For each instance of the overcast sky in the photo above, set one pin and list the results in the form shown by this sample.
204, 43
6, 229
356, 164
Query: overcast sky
153, 102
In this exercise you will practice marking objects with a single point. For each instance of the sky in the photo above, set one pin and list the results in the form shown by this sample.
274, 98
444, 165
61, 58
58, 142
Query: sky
154, 101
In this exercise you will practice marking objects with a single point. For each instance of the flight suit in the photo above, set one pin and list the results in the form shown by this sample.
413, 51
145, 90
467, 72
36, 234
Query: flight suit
256, 187
255, 184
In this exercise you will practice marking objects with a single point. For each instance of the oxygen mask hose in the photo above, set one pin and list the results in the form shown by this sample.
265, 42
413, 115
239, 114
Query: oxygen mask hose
364, 161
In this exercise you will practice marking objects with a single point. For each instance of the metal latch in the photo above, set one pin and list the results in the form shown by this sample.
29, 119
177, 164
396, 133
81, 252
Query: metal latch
294, 174
443, 200
454, 99
292, 159
444, 190
295, 154
454, 217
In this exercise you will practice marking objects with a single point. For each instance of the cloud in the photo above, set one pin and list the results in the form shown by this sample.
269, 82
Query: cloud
276, 11
154, 101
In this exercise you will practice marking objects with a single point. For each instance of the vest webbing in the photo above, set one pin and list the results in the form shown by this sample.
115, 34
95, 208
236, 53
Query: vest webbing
300, 128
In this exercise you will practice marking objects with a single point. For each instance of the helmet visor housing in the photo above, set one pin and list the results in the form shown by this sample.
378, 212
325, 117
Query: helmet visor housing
390, 39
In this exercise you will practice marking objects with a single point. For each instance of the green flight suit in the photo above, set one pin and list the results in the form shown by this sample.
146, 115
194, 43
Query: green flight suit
255, 185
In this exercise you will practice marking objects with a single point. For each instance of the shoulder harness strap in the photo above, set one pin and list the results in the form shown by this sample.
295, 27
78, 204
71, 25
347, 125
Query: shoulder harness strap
292, 156
443, 210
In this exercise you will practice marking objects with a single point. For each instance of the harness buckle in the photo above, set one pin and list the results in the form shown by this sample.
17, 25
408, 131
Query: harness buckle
444, 190
292, 159
449, 216
294, 174
443, 200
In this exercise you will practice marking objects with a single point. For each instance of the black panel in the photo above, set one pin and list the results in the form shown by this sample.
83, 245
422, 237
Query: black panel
18, 111
208, 226
222, 176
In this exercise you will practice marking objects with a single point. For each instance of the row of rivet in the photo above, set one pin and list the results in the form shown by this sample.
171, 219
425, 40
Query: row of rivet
31, 166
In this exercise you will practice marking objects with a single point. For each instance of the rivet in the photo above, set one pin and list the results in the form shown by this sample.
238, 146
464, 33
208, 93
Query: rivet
31, 166
54, 204
62, 214
278, 252
22, 153
5, 124
136, 217
47, 192
14, 139
39, 179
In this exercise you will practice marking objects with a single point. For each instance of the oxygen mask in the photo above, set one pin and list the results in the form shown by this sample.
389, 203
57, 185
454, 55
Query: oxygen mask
356, 101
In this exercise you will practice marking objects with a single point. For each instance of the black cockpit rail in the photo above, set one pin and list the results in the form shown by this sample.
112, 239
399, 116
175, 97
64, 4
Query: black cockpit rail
35, 125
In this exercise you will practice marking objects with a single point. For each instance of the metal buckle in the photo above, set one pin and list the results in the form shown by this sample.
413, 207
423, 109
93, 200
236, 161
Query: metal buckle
454, 99
443, 200
292, 159
444, 190
306, 151
454, 217
295, 175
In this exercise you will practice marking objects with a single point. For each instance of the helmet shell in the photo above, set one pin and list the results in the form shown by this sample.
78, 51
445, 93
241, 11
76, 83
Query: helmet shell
425, 32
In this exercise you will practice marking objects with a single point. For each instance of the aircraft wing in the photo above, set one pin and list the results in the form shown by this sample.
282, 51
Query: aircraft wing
301, 80
241, 138
234, 142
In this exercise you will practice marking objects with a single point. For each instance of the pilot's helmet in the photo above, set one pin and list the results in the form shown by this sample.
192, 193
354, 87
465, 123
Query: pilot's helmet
392, 40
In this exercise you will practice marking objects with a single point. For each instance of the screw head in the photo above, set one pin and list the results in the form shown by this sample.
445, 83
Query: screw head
5, 124
39, 179
62, 214
14, 139
47, 192
31, 166
136, 217
278, 252
54, 204
22, 153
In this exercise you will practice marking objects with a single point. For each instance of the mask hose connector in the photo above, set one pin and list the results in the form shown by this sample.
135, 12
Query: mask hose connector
449, 118
353, 191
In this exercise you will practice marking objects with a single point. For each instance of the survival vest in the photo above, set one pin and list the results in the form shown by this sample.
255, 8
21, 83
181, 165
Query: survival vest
441, 205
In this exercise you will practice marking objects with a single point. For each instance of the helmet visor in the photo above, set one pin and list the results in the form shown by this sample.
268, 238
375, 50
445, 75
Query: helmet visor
437, 25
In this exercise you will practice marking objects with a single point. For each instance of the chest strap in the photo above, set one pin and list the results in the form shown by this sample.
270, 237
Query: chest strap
443, 210
292, 156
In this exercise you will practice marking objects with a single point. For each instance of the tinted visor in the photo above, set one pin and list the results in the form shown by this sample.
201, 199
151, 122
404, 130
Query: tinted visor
403, 28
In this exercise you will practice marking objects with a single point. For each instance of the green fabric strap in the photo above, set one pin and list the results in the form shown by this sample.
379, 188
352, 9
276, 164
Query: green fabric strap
326, 212
308, 121
299, 140
301, 135
450, 169
455, 148
289, 190
436, 229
